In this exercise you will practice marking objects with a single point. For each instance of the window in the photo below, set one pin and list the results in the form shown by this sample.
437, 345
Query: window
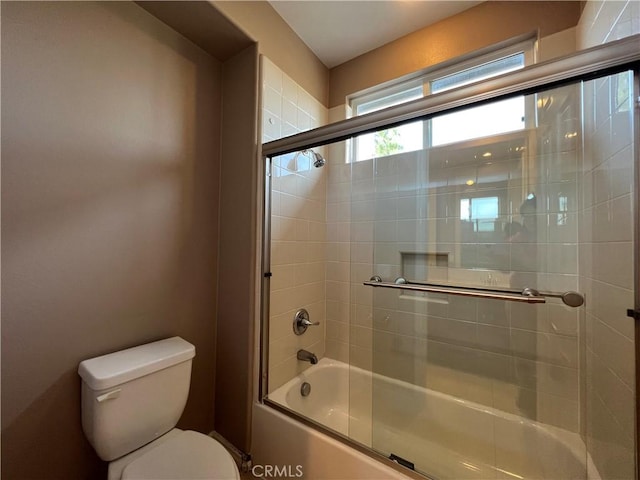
405, 138
506, 115
482, 212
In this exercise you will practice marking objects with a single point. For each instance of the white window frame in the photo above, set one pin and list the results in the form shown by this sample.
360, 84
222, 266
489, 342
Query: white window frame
425, 78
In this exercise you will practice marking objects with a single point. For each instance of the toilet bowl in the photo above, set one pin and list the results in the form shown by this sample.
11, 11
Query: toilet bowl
177, 454
131, 403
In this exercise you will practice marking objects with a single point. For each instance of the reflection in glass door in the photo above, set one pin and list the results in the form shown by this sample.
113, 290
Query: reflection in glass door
485, 381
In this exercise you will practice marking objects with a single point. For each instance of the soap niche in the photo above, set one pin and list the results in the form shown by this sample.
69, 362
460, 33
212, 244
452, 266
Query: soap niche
425, 267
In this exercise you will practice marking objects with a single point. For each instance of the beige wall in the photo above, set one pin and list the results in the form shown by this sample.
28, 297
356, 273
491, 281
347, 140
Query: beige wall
109, 214
239, 180
481, 26
280, 43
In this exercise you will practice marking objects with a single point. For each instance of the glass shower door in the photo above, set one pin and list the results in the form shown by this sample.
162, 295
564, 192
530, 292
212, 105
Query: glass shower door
502, 268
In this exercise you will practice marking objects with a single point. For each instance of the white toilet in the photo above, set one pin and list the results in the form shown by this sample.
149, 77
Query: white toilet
131, 402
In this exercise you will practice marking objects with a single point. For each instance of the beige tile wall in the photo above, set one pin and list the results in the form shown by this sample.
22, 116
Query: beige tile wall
606, 249
298, 226
338, 251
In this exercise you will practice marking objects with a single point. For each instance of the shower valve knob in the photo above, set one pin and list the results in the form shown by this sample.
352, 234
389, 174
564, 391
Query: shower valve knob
301, 322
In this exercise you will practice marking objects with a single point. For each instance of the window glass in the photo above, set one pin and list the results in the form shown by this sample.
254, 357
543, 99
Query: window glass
491, 119
389, 100
405, 138
495, 118
480, 72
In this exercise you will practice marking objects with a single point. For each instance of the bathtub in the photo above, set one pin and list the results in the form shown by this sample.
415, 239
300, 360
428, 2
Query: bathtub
443, 436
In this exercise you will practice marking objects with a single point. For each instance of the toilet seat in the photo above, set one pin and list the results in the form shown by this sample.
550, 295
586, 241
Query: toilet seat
186, 456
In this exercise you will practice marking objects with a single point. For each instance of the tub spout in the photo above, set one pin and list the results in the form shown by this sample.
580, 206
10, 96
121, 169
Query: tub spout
307, 357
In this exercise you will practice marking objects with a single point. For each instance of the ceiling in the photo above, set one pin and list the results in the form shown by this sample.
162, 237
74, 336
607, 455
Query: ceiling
338, 31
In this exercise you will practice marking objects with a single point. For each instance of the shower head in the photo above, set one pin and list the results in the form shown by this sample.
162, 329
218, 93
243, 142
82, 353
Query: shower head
318, 160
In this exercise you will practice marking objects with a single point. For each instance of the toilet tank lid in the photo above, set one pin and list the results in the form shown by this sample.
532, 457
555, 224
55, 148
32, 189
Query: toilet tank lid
117, 368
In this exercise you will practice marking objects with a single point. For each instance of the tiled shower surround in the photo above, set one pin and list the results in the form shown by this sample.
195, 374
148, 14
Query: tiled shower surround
606, 276
606, 255
298, 228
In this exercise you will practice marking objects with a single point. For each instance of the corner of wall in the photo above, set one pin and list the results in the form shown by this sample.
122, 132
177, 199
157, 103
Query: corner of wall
280, 43
557, 44
237, 252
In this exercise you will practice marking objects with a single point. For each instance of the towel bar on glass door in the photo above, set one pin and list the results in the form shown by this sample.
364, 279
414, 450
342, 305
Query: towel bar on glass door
528, 295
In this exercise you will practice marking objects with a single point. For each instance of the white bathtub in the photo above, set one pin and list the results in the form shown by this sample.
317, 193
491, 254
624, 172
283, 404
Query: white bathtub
444, 437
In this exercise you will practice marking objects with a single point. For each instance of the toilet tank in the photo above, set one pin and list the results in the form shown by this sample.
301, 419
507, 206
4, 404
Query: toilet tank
131, 397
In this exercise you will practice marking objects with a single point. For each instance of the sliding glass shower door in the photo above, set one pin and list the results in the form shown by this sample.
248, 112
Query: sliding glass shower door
501, 271
467, 289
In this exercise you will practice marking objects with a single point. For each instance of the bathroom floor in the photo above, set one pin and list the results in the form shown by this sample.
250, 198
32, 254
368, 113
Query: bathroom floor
247, 476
